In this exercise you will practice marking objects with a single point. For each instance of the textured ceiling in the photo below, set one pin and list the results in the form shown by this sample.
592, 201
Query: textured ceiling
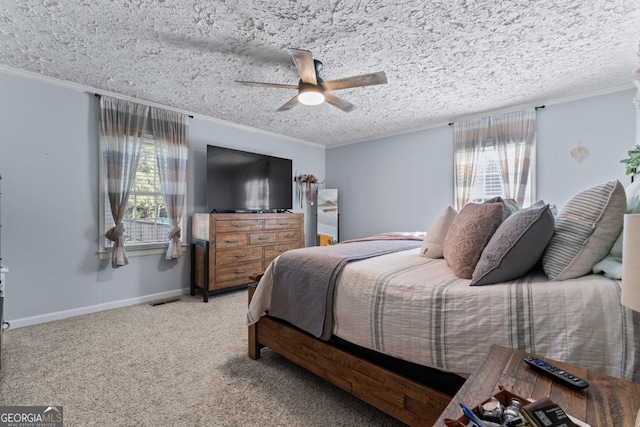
443, 59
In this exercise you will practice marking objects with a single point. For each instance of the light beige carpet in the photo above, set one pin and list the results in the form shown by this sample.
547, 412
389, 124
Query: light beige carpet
178, 364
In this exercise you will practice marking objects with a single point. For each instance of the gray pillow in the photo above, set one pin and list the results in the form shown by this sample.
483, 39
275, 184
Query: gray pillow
510, 205
586, 229
515, 247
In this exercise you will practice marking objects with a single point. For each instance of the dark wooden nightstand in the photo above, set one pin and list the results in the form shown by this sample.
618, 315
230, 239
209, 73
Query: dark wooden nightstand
607, 401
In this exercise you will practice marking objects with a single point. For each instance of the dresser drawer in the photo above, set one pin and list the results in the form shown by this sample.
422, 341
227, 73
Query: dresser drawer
235, 225
289, 236
282, 223
235, 256
237, 274
270, 252
263, 238
232, 240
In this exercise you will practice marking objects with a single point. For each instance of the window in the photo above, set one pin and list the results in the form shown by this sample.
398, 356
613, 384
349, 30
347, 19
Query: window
487, 182
146, 223
487, 178
495, 156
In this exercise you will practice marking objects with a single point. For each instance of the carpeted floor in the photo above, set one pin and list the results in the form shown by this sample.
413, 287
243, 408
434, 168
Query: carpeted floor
178, 364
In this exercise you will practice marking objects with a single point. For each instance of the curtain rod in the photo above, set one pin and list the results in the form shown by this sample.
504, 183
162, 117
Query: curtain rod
539, 107
97, 95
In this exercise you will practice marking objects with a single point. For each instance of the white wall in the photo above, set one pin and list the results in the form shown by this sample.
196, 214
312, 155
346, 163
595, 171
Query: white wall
606, 127
398, 183
403, 183
48, 162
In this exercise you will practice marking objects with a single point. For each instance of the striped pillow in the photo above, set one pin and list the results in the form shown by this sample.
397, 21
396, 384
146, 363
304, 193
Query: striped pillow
585, 230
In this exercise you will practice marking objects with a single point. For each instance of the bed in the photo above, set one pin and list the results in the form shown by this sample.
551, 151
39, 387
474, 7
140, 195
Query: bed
418, 310
415, 309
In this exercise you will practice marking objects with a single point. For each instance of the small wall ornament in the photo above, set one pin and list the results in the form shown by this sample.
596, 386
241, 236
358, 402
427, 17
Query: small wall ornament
304, 187
579, 153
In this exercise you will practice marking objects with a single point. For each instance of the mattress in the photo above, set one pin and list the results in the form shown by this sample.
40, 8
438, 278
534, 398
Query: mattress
416, 309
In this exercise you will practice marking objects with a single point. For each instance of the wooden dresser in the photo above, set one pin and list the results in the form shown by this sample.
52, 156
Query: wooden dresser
237, 246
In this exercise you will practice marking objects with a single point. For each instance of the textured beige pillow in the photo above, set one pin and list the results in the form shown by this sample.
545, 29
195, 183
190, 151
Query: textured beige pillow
434, 240
585, 230
469, 233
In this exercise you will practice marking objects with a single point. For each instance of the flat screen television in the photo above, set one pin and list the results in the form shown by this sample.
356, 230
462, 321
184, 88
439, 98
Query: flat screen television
240, 181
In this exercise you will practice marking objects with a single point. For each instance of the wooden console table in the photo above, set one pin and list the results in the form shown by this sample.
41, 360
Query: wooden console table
606, 402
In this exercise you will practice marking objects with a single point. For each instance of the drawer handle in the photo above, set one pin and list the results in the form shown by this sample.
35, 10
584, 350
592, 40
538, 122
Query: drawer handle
241, 256
264, 238
284, 223
240, 225
288, 236
231, 241
240, 271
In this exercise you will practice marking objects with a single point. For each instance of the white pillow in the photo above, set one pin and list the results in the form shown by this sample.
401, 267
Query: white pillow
434, 240
585, 230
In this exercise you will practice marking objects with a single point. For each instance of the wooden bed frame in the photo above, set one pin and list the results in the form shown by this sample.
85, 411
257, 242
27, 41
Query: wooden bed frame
404, 399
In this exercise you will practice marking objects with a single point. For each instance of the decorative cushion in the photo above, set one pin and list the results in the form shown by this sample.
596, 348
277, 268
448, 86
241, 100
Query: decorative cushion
434, 240
516, 246
611, 266
586, 228
469, 233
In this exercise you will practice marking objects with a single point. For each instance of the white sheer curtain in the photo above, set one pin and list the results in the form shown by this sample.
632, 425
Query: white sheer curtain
122, 128
468, 141
170, 133
514, 137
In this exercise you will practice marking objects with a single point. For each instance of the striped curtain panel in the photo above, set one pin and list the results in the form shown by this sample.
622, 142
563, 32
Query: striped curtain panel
122, 128
468, 142
514, 137
170, 133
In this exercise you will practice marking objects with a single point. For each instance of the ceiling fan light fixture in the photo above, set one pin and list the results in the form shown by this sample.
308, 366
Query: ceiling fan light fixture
310, 95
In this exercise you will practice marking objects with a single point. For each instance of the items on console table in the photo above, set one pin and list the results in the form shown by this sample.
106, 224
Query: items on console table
607, 401
228, 248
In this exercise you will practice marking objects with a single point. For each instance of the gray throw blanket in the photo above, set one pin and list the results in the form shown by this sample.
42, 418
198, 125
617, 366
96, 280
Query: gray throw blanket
304, 280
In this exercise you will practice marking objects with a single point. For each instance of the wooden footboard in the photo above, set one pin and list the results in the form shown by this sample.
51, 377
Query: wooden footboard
408, 401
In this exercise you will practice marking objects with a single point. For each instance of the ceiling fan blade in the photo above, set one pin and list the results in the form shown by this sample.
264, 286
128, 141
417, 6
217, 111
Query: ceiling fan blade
338, 102
262, 84
289, 104
357, 81
304, 64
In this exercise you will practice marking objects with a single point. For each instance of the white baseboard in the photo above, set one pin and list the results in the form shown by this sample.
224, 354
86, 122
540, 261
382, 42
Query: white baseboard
58, 315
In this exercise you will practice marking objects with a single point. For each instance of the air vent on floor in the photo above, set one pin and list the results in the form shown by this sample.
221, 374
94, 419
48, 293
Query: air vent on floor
164, 301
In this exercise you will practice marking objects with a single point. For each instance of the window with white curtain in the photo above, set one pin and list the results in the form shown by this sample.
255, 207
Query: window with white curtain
487, 178
146, 223
487, 182
495, 156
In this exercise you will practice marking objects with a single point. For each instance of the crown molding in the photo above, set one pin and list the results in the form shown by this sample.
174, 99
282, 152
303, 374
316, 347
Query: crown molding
94, 91
485, 113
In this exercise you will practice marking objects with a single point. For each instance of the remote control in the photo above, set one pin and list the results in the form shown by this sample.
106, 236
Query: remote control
556, 373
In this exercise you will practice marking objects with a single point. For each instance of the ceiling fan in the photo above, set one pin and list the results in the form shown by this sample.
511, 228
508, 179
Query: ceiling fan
312, 90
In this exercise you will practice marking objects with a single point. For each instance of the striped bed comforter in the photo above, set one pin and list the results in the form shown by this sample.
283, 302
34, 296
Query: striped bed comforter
416, 309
